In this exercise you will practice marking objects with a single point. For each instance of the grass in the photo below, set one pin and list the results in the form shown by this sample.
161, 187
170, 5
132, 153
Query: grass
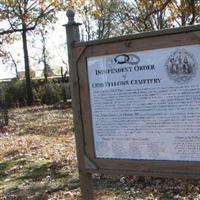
38, 161
37, 154
38, 158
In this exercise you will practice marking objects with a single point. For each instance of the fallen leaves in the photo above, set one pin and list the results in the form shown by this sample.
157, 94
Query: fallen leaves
43, 139
38, 161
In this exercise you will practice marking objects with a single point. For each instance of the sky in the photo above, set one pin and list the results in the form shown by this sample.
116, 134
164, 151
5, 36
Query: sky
56, 41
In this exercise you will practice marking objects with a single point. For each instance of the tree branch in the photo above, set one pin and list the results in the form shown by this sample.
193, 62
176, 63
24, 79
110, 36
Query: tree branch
157, 10
193, 11
43, 14
10, 31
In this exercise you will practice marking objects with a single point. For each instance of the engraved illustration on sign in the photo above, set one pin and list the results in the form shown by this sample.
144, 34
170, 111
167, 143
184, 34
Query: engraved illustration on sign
121, 59
181, 66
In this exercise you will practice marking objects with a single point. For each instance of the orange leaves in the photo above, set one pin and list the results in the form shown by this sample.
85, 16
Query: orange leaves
47, 3
143, 4
171, 18
11, 3
75, 4
97, 13
46, 135
151, 4
30, 12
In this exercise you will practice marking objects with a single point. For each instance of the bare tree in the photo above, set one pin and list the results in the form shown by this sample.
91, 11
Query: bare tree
23, 16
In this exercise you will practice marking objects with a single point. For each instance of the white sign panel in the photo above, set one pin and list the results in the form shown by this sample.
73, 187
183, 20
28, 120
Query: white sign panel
146, 105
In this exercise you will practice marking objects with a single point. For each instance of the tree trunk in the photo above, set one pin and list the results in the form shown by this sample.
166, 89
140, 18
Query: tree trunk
44, 57
27, 68
15, 65
183, 14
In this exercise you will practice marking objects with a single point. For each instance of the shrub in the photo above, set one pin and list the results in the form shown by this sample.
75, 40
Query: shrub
43, 93
15, 93
4, 118
52, 93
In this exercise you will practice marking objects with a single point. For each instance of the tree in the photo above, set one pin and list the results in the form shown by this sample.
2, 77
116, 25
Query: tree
4, 117
45, 54
6, 56
9, 59
185, 12
104, 19
142, 15
23, 16
149, 15
101, 18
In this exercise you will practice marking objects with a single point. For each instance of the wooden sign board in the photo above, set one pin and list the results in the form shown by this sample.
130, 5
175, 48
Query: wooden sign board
139, 98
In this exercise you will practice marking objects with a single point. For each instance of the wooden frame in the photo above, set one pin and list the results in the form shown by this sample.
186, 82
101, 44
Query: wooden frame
88, 163
138, 42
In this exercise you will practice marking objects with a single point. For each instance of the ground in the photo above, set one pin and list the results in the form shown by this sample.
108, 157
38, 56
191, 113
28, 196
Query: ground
38, 162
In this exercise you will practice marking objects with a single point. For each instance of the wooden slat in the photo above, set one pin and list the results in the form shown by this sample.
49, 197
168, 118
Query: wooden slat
147, 164
142, 44
153, 173
86, 109
150, 34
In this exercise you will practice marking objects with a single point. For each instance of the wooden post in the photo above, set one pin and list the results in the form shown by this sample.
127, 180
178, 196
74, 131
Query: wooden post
73, 36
